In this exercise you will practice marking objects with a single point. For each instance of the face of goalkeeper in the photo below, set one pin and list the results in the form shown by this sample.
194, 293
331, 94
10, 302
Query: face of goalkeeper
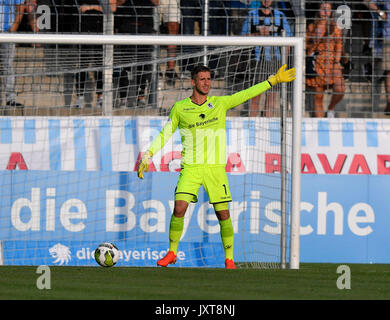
202, 83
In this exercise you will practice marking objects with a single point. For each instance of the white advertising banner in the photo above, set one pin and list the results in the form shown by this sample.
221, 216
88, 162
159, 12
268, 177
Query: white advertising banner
336, 146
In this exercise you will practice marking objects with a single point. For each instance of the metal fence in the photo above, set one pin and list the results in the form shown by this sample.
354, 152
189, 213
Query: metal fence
363, 29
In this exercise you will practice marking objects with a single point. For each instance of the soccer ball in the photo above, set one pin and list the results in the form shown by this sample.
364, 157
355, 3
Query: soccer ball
107, 254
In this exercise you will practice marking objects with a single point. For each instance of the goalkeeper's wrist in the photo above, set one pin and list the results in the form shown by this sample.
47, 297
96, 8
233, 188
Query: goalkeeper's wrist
273, 80
149, 153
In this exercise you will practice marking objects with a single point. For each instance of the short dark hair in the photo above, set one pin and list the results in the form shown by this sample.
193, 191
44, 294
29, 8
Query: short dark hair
197, 69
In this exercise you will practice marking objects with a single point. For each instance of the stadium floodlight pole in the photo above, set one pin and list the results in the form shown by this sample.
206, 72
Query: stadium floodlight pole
296, 42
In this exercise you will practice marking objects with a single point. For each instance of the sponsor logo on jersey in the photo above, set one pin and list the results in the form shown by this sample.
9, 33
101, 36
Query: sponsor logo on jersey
202, 123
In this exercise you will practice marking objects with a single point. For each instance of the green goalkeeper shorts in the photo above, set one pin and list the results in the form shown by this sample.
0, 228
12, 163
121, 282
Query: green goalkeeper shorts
213, 179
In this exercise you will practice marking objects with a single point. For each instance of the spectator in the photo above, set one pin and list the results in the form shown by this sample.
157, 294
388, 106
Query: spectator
170, 13
238, 13
324, 43
91, 18
385, 17
10, 19
191, 12
219, 17
64, 20
357, 42
236, 65
134, 17
265, 21
219, 25
378, 17
67, 21
31, 6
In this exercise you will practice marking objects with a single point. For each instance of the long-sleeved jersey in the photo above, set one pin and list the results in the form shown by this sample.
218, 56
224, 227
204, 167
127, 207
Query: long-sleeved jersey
203, 127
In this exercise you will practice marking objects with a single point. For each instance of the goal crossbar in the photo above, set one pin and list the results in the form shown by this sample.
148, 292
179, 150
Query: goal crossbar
148, 40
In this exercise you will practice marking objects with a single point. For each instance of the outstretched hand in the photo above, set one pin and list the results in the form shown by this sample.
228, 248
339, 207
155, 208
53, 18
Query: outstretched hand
144, 165
282, 75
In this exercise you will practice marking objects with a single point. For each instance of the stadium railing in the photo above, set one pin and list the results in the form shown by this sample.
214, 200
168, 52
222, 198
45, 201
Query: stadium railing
365, 94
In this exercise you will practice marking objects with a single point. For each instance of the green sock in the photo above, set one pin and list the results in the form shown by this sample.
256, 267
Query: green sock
175, 231
227, 235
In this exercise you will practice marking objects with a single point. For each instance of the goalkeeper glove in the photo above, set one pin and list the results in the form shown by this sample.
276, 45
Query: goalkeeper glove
282, 75
144, 165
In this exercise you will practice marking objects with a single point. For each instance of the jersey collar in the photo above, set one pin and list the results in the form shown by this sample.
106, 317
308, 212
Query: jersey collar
199, 104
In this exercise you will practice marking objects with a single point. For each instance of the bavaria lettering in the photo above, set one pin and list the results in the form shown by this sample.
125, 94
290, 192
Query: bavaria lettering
344, 164
318, 163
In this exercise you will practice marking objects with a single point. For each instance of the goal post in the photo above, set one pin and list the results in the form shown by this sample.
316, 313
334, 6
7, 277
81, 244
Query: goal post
293, 124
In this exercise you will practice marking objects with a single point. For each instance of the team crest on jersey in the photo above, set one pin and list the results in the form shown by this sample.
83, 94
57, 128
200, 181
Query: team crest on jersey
210, 105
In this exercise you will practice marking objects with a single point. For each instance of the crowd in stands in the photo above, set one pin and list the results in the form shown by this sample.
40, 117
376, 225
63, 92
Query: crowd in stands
334, 53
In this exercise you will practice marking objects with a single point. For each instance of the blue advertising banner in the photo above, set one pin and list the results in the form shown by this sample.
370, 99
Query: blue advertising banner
49, 214
131, 253
345, 219
59, 218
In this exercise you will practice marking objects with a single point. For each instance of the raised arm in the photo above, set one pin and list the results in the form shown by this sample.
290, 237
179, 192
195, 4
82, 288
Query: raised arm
240, 97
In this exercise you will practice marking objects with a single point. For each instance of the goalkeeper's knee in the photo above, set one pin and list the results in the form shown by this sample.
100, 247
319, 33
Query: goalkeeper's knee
221, 206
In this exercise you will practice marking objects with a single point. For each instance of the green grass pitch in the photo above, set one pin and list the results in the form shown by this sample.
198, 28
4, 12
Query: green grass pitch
311, 281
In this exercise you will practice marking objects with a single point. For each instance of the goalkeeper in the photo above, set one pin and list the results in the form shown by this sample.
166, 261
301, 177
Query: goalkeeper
201, 122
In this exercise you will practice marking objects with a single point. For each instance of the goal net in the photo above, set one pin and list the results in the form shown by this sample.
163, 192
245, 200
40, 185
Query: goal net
86, 109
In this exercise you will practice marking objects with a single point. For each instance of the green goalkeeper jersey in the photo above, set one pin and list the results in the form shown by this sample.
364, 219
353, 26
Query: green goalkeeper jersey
203, 127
